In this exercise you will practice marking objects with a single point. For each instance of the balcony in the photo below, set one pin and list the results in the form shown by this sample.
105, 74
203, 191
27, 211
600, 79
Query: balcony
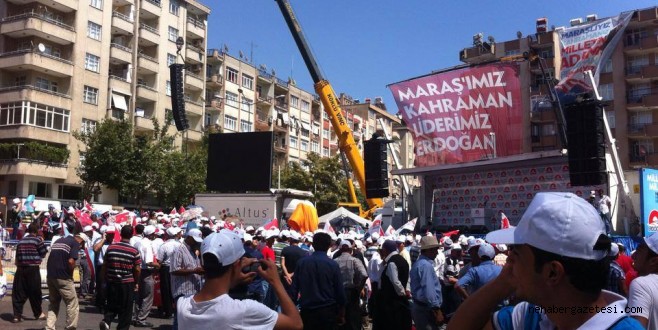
35, 94
147, 63
265, 100
148, 35
194, 54
121, 24
644, 159
644, 17
193, 81
642, 100
28, 59
280, 127
120, 54
263, 122
120, 85
264, 75
548, 63
193, 135
642, 131
35, 133
193, 107
150, 9
639, 46
215, 81
478, 54
542, 40
280, 147
144, 123
65, 6
24, 166
146, 92
196, 29
37, 25
121, 3
641, 73
283, 106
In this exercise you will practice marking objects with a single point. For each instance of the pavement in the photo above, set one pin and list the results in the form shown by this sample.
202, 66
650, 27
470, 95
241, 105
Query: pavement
89, 316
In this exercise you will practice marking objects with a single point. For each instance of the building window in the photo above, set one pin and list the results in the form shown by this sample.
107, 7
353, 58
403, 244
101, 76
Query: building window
294, 101
325, 116
229, 122
548, 129
245, 126
547, 53
171, 59
21, 80
635, 36
512, 52
245, 105
92, 62
293, 142
315, 147
231, 99
88, 126
325, 152
612, 121
325, 133
606, 91
43, 83
247, 82
173, 34
69, 192
232, 75
174, 7
98, 4
306, 106
93, 30
90, 95
40, 189
168, 88
634, 64
304, 145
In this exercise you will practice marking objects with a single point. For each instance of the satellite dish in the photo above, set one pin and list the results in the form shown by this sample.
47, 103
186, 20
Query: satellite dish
519, 34
241, 54
225, 48
41, 47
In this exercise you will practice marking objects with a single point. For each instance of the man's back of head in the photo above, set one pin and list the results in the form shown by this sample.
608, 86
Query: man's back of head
321, 242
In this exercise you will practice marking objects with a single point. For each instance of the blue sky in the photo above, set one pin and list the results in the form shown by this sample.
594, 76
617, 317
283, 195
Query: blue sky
363, 45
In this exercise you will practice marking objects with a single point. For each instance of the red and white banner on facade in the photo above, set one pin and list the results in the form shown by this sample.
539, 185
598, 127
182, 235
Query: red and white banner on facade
463, 115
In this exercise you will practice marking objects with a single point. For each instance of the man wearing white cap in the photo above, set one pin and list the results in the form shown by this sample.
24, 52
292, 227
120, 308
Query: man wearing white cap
84, 262
225, 267
15, 217
478, 276
185, 268
165, 254
150, 267
643, 292
557, 267
354, 277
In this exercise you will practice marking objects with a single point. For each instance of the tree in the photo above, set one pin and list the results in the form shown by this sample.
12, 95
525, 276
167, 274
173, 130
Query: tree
323, 177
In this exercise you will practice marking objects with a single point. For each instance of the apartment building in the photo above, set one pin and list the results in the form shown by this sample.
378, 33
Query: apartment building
65, 65
628, 84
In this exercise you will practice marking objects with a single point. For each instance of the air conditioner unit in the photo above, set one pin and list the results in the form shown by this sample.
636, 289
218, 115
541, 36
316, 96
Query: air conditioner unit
576, 21
592, 18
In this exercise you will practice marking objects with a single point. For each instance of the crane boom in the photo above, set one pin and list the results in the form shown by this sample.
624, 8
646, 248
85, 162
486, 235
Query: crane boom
330, 102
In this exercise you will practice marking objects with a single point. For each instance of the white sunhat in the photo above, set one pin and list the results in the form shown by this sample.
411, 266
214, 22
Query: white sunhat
173, 231
196, 234
226, 245
560, 223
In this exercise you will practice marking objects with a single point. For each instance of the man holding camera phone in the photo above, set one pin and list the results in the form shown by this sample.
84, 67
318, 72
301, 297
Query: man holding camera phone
225, 267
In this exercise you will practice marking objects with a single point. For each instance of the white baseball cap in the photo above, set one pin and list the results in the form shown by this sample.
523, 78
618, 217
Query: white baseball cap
560, 223
16, 200
94, 224
375, 236
614, 250
88, 228
249, 228
652, 242
486, 249
173, 231
248, 237
345, 242
284, 233
225, 245
148, 230
196, 234
103, 229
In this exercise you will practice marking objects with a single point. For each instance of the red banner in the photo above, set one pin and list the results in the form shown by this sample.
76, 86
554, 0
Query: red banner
463, 115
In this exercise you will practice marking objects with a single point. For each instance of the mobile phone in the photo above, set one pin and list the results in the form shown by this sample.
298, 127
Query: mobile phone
254, 267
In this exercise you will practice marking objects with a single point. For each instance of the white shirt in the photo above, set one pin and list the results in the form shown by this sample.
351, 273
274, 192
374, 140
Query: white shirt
157, 243
643, 296
603, 204
439, 265
375, 267
145, 248
598, 321
135, 239
224, 312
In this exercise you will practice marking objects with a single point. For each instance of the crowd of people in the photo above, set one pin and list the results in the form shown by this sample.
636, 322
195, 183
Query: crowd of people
212, 274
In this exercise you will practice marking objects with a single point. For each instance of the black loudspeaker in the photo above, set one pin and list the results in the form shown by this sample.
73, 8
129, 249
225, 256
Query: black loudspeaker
239, 162
586, 143
376, 166
178, 96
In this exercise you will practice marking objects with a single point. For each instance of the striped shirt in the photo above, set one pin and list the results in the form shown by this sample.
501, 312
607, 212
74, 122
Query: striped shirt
184, 286
278, 247
30, 251
120, 260
166, 251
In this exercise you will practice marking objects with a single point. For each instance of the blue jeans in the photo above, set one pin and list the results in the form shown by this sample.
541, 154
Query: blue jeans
607, 221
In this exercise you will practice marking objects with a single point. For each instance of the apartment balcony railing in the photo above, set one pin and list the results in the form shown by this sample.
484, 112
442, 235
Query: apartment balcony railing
122, 16
39, 16
35, 88
196, 22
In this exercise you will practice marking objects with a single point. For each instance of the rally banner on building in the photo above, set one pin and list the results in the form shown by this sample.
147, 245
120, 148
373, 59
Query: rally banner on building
586, 47
649, 200
463, 115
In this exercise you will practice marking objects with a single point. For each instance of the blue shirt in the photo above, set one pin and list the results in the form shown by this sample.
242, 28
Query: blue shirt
319, 282
478, 276
425, 285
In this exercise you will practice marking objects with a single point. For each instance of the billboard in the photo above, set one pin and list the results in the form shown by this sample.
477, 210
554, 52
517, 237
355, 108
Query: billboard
649, 200
463, 115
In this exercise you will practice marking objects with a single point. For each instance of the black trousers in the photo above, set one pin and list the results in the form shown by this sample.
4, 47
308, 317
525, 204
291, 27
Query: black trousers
27, 286
100, 287
323, 318
352, 311
165, 291
120, 300
393, 314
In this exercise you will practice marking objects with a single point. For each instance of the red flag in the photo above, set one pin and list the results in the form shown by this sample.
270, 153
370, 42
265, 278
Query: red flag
390, 231
173, 211
504, 221
85, 219
271, 224
88, 206
78, 214
229, 226
122, 217
181, 210
450, 233
376, 226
